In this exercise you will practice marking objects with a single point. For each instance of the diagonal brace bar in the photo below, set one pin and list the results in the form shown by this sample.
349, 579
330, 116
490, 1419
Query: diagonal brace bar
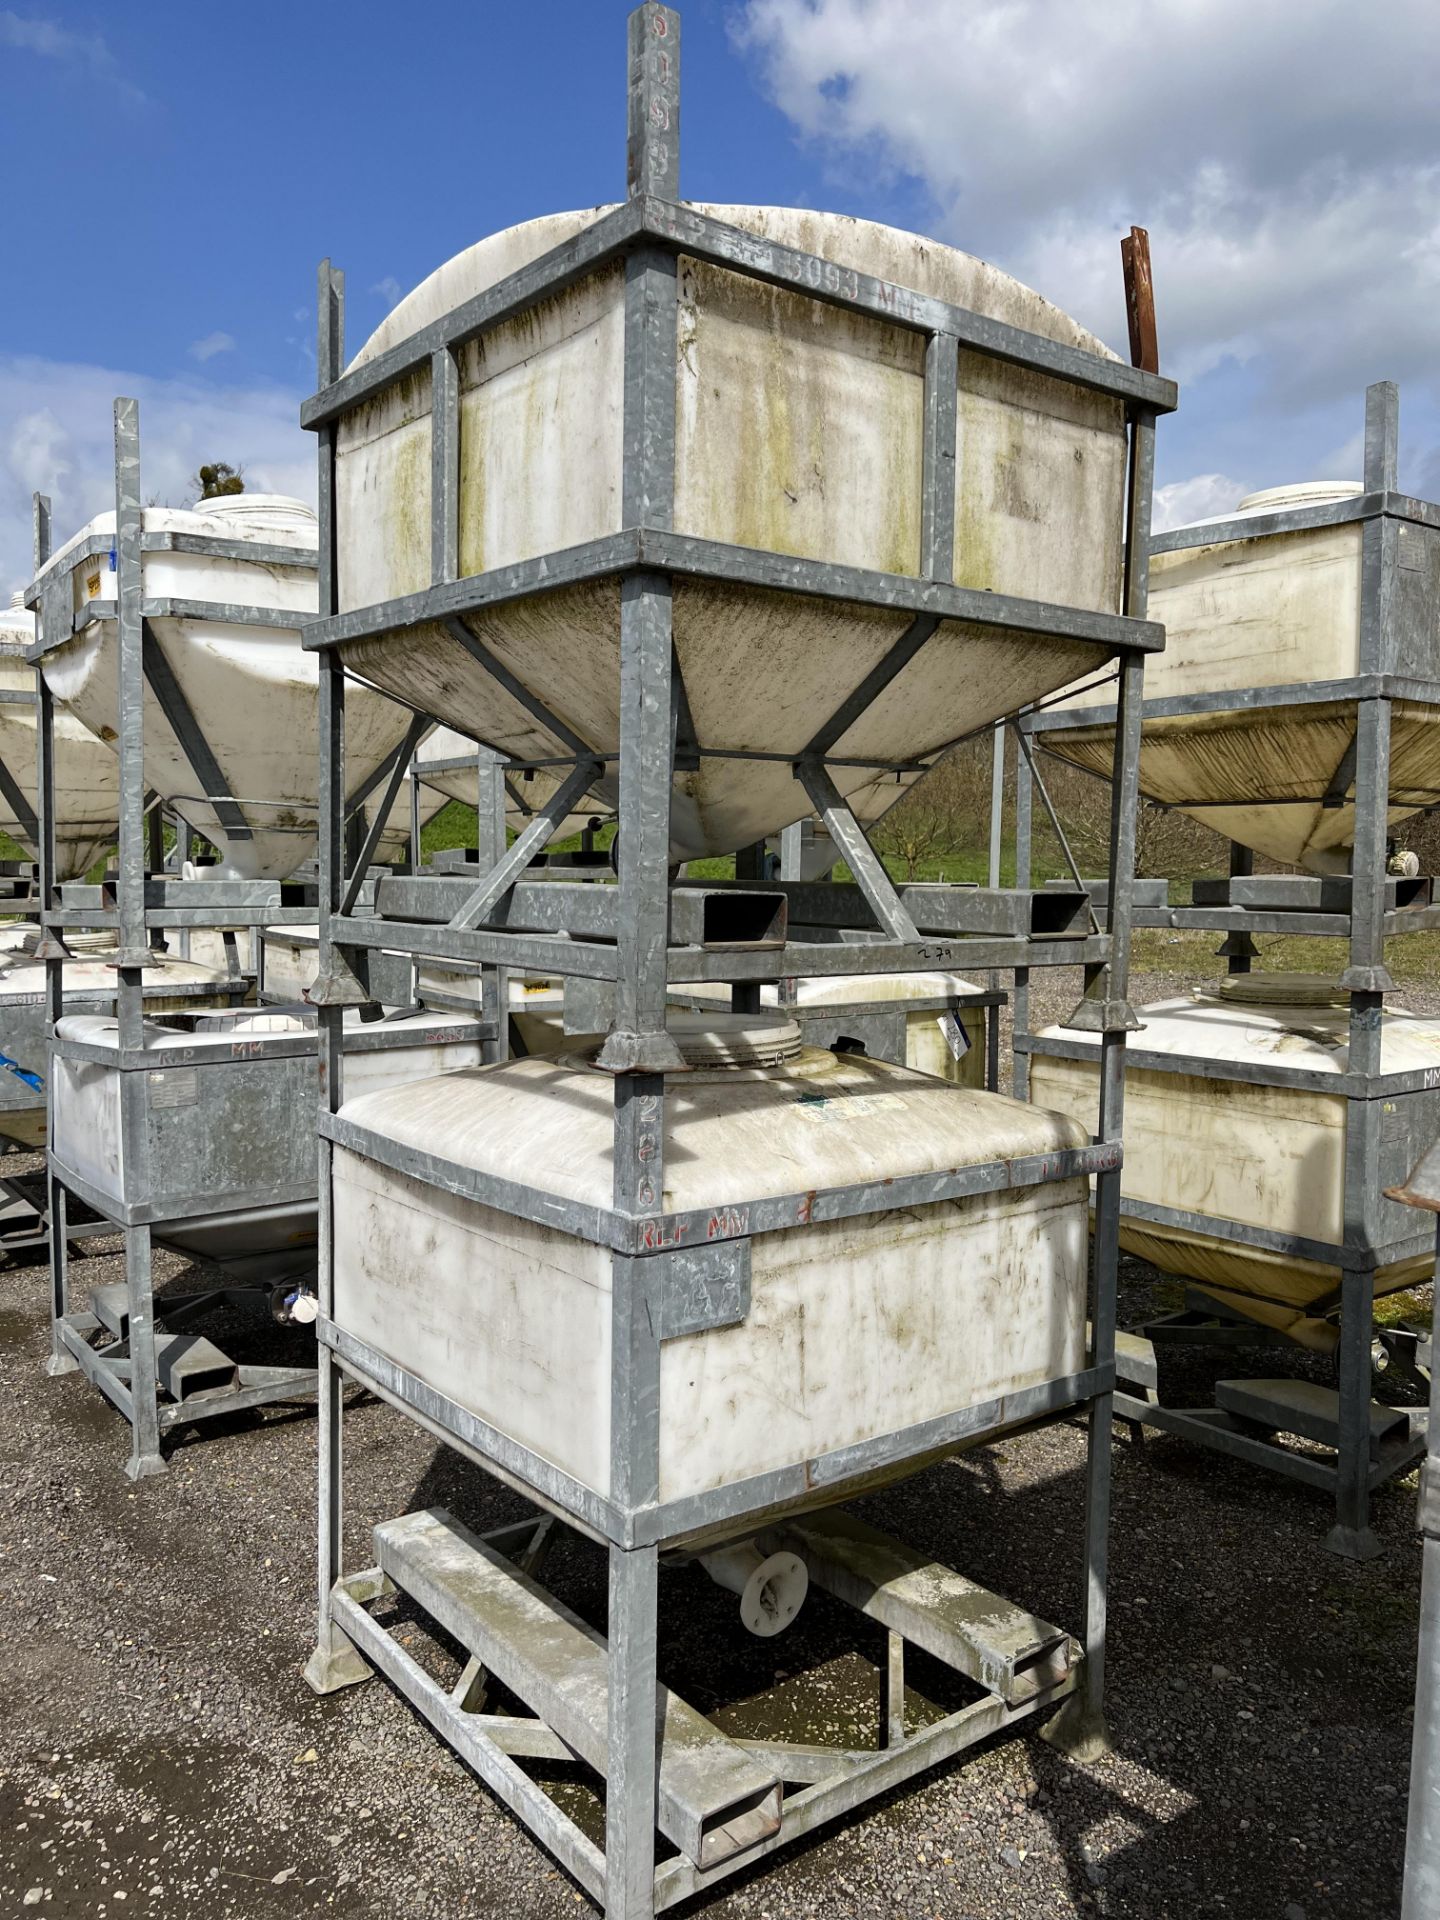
1024, 741
516, 688
180, 718
874, 683
861, 858
1343, 778
529, 842
381, 814
14, 797
372, 780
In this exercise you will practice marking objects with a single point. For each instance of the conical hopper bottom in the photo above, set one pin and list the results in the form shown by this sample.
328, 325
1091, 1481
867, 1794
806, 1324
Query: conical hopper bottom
1279, 781
761, 671
87, 780
230, 706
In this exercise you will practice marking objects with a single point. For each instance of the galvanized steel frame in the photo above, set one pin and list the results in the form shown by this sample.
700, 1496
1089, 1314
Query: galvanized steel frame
1422, 1835
142, 901
1379, 511
648, 234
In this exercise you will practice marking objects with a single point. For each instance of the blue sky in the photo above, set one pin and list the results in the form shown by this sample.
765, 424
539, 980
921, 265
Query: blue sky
188, 165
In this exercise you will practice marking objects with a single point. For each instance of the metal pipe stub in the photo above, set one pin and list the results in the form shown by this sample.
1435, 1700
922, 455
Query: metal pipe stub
1006, 1649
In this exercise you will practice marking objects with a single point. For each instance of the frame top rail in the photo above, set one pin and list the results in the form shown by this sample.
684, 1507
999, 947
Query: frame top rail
647, 221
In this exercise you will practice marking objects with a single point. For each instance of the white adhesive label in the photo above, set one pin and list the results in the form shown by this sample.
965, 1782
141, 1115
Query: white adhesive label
850, 1106
956, 1038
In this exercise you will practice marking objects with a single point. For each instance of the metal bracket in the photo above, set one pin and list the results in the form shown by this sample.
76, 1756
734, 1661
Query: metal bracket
338, 985
1367, 980
641, 1053
1103, 1016
703, 1288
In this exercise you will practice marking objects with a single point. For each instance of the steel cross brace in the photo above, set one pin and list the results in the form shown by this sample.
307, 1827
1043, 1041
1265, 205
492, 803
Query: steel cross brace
398, 772
531, 840
845, 830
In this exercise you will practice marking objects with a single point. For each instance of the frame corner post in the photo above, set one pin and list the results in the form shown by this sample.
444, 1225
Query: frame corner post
41, 530
1382, 437
652, 151
130, 721
1020, 984
1422, 1835
1080, 1727
145, 1459
334, 1661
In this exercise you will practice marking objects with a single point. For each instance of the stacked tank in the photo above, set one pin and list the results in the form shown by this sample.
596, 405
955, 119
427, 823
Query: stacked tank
753, 511
86, 781
176, 637
1296, 710
229, 702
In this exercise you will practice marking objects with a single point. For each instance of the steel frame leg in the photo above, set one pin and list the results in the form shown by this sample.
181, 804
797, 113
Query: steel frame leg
1422, 1833
1079, 1729
1351, 1535
630, 1787
334, 1663
57, 1214
145, 1456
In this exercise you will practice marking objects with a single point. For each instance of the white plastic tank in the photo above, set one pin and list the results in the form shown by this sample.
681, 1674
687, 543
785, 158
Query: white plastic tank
855, 1328
252, 689
211, 948
930, 1047
87, 1138
1231, 1150
1275, 610
799, 431
87, 782
169, 985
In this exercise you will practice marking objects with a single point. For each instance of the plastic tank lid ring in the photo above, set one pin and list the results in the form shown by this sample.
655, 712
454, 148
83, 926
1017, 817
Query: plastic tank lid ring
262, 509
1299, 493
1274, 990
710, 1042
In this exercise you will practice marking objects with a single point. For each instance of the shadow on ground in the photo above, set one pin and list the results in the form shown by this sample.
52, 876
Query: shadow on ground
158, 1743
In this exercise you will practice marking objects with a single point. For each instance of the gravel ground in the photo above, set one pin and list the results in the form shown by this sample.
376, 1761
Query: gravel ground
159, 1748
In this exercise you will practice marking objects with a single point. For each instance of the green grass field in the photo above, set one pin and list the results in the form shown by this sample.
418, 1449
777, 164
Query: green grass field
1413, 958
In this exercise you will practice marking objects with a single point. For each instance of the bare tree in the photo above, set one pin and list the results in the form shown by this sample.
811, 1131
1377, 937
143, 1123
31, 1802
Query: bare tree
1168, 845
910, 833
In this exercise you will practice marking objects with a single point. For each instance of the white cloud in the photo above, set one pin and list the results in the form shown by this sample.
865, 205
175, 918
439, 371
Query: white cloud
1203, 497
389, 290
213, 343
50, 41
1284, 161
57, 437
